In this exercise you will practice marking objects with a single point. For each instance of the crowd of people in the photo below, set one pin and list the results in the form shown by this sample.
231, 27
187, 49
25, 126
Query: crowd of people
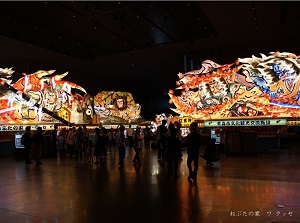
77, 144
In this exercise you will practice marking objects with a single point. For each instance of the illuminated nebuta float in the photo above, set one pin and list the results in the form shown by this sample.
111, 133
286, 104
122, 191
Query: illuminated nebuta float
116, 106
49, 91
265, 86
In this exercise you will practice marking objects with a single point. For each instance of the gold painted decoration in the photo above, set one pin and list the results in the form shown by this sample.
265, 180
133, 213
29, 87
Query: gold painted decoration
116, 105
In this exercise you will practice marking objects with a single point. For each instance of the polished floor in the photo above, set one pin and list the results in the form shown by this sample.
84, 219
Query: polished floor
239, 189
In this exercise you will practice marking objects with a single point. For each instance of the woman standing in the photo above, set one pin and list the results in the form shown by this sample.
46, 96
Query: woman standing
137, 144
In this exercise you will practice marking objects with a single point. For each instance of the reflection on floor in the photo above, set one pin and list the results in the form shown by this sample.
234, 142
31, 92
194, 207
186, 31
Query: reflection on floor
256, 189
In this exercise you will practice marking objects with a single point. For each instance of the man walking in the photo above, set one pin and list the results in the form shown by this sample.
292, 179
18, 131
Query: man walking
193, 149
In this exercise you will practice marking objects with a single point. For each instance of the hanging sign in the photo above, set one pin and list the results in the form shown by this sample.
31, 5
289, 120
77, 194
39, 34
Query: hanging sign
240, 122
22, 127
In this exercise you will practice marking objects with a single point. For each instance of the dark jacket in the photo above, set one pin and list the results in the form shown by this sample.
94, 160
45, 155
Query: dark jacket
26, 140
210, 152
193, 143
38, 138
173, 148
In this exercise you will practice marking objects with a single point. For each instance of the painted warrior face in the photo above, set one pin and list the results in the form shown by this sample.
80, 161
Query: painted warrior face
120, 103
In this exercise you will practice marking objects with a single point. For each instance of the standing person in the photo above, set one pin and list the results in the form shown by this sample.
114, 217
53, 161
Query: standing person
91, 151
121, 140
26, 140
161, 140
70, 142
61, 143
177, 125
171, 127
129, 132
174, 152
146, 136
99, 145
210, 152
79, 143
97, 149
54, 140
38, 140
86, 140
193, 149
104, 142
111, 139
137, 143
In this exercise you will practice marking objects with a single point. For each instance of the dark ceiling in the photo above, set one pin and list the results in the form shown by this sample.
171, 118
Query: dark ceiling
140, 46
85, 30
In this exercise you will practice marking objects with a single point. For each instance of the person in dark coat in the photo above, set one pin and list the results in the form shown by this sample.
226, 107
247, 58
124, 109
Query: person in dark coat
27, 142
79, 140
137, 144
193, 149
97, 148
173, 152
210, 152
38, 141
121, 140
161, 140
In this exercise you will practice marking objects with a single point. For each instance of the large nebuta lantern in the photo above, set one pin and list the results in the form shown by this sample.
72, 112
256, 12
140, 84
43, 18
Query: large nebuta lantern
49, 91
114, 106
265, 86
